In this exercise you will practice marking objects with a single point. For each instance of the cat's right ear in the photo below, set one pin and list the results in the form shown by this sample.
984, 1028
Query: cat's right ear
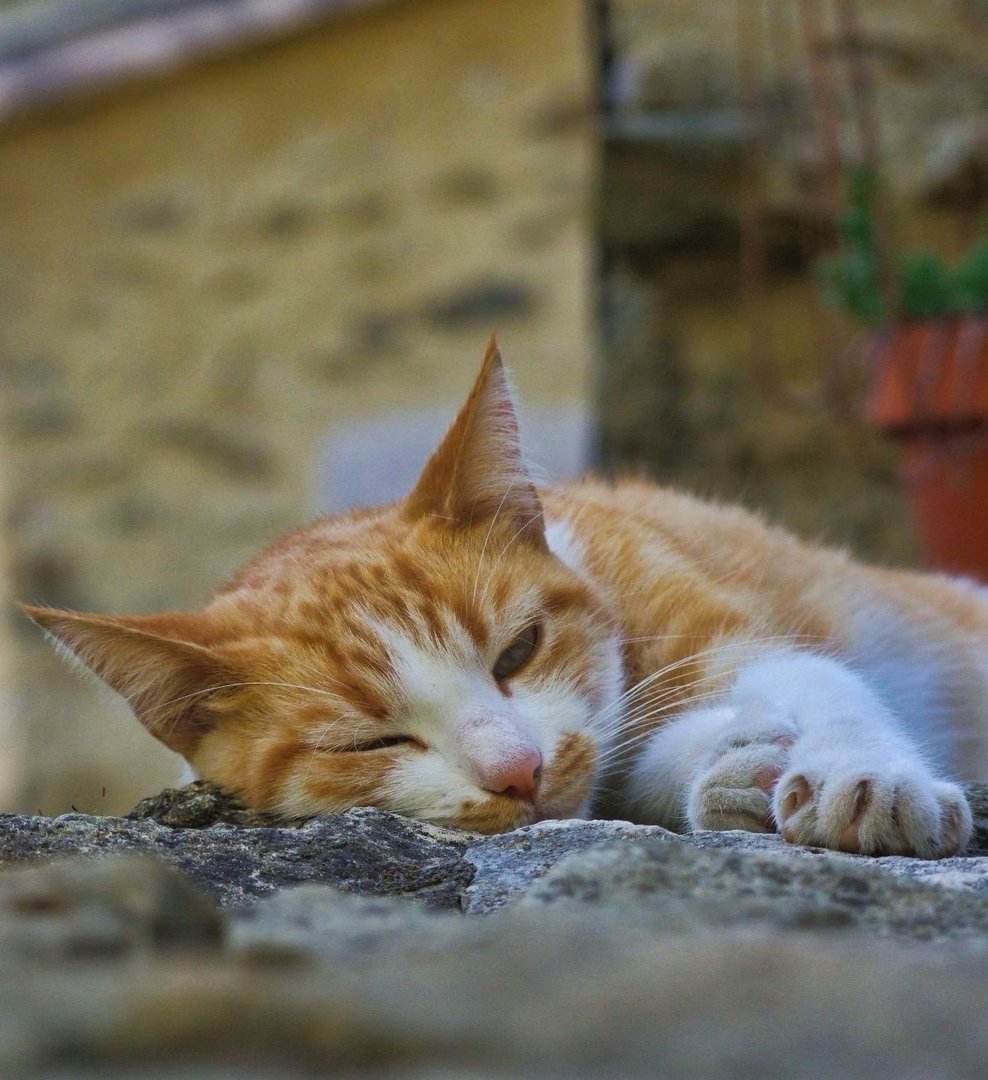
154, 661
478, 474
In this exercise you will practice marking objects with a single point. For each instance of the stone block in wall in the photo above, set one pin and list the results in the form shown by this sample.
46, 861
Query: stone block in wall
668, 189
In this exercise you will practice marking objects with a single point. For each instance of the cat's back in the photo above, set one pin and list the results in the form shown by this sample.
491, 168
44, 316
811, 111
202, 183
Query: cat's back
620, 531
639, 535
661, 552
678, 568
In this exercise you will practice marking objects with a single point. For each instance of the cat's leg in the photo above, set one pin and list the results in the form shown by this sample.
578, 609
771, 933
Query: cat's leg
803, 744
855, 781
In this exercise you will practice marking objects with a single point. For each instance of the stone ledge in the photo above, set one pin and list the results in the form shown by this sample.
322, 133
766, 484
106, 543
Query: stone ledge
363, 850
604, 949
239, 855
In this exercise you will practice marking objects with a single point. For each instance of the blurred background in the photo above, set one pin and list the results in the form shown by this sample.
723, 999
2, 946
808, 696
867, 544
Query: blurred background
250, 255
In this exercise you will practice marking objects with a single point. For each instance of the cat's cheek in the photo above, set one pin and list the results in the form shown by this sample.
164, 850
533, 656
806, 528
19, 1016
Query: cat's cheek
224, 757
581, 696
320, 784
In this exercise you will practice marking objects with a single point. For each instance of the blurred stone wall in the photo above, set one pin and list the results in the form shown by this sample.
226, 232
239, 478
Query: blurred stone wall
680, 397
204, 274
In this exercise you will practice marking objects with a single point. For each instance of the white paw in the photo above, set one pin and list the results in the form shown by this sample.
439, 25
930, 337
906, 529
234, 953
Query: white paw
735, 792
871, 808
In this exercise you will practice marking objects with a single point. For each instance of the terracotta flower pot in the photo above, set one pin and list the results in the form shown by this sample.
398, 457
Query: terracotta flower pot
929, 391
929, 377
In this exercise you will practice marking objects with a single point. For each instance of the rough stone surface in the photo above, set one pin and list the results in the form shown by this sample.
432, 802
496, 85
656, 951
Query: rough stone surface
105, 906
506, 865
961, 871
510, 866
977, 795
335, 925
677, 888
604, 949
199, 805
363, 850
516, 995
490, 871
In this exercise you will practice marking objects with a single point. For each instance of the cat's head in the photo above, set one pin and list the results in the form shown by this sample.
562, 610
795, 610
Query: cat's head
433, 657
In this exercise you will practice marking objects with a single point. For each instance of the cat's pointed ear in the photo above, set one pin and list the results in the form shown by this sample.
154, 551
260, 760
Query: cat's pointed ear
478, 473
154, 661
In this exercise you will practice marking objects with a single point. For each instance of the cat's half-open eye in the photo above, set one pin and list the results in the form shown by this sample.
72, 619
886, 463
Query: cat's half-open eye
518, 653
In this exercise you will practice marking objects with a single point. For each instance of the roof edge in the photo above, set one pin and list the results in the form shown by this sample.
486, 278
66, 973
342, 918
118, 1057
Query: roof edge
47, 61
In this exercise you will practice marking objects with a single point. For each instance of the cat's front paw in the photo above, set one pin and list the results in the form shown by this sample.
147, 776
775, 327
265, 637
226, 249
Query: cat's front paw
735, 792
881, 809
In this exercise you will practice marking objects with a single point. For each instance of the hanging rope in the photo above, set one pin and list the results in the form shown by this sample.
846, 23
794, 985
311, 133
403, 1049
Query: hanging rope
839, 88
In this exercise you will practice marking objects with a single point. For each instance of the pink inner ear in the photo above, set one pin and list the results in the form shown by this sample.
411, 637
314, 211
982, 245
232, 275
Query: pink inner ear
478, 470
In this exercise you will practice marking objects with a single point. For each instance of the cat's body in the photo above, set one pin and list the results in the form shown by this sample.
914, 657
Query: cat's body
485, 656
770, 626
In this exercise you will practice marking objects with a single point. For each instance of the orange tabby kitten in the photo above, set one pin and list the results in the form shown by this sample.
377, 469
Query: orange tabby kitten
485, 655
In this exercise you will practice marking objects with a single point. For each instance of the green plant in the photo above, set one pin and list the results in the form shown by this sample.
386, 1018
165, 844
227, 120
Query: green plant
849, 279
971, 278
923, 286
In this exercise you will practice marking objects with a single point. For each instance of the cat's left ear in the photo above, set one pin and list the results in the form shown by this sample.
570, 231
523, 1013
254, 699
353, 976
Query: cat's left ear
162, 664
478, 473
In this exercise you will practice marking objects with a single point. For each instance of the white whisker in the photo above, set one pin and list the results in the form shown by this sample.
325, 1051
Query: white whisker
504, 550
487, 536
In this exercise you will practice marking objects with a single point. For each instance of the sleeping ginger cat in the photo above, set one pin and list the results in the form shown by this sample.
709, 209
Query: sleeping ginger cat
486, 655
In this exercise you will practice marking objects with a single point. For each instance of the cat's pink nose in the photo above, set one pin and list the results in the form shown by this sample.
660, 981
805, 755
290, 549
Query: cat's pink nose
520, 778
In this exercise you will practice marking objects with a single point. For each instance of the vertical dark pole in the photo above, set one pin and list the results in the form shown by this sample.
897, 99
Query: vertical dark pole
641, 380
602, 44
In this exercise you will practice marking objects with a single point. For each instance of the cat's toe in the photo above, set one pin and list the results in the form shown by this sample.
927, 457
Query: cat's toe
956, 820
874, 812
807, 814
721, 808
736, 792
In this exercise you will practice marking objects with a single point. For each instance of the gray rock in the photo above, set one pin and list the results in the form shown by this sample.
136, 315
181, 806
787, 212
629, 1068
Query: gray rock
100, 907
977, 795
545, 993
370, 852
607, 949
505, 866
199, 805
674, 887
342, 927
363, 850
959, 872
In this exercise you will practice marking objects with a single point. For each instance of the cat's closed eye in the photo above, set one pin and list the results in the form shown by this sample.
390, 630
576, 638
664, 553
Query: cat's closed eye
517, 654
383, 743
